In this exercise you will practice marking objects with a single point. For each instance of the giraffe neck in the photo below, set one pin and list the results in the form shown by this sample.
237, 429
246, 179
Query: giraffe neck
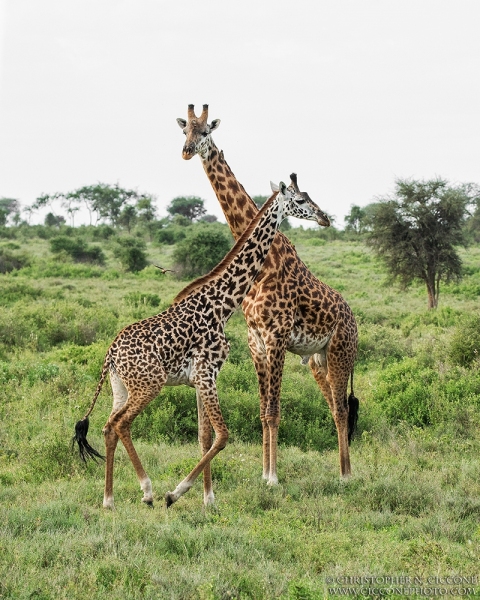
241, 272
234, 276
238, 208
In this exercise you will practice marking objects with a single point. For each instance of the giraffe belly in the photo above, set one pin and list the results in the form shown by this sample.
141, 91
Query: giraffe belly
182, 376
306, 345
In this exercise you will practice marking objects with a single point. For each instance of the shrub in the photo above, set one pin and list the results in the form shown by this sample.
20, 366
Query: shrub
171, 234
42, 325
136, 299
405, 392
102, 232
381, 345
13, 291
77, 249
11, 260
201, 250
131, 253
465, 343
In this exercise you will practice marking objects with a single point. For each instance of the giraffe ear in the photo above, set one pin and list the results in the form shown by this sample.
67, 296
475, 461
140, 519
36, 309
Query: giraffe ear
283, 188
214, 124
274, 187
182, 123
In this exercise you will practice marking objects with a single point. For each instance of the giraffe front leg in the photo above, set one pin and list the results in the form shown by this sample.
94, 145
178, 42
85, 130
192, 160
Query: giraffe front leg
259, 357
209, 398
276, 360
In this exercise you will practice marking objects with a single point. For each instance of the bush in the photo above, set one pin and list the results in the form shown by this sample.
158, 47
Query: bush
201, 250
102, 232
137, 299
131, 253
381, 345
11, 260
77, 249
13, 291
465, 344
406, 392
171, 234
41, 325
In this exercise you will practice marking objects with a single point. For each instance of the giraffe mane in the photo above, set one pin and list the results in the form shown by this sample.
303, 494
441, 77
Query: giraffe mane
228, 258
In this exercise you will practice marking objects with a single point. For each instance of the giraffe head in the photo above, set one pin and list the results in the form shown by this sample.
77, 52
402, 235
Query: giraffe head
197, 131
298, 204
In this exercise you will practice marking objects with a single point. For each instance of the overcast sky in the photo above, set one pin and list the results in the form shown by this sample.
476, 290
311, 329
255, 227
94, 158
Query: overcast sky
350, 94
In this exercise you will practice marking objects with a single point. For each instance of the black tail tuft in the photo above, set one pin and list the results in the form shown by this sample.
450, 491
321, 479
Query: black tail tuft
353, 406
84, 448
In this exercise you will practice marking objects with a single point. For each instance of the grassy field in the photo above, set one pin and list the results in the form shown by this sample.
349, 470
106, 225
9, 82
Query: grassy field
408, 518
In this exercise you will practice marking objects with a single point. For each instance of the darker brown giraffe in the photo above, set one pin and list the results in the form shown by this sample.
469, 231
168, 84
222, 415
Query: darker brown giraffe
287, 308
186, 345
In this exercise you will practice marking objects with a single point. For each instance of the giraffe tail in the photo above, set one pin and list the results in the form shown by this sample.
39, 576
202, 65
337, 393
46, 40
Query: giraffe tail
81, 427
353, 407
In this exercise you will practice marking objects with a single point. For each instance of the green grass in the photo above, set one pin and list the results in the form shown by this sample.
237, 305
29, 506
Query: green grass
410, 509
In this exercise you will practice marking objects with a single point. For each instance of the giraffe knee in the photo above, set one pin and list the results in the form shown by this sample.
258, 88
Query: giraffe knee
221, 440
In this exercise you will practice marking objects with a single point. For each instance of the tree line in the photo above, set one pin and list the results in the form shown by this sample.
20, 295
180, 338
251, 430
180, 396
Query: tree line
415, 231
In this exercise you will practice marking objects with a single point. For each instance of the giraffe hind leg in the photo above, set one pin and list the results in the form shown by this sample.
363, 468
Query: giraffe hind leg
126, 408
205, 440
334, 389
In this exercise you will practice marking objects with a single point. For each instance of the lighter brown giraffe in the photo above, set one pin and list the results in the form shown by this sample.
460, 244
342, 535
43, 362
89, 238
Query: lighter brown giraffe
287, 308
186, 345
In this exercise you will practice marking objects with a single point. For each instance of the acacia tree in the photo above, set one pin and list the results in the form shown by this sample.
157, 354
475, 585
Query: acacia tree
415, 232
190, 207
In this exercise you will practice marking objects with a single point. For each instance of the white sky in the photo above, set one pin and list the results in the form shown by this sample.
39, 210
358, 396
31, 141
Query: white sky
350, 94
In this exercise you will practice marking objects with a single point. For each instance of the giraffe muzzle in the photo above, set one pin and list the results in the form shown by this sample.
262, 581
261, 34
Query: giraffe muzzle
322, 219
188, 151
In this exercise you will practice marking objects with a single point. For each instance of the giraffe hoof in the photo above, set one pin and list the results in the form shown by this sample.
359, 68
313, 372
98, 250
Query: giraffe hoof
169, 499
149, 503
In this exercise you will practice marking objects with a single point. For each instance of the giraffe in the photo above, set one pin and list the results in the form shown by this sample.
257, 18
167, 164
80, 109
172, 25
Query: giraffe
287, 308
186, 344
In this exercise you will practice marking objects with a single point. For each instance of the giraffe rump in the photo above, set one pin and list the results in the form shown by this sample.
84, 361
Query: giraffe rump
85, 450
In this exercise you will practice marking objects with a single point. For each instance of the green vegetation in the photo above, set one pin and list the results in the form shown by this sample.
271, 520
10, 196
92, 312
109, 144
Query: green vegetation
201, 250
411, 508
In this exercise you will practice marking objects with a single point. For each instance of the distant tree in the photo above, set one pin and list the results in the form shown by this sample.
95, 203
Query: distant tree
472, 223
415, 232
147, 214
128, 217
200, 251
355, 220
107, 201
29, 210
52, 220
9, 208
190, 207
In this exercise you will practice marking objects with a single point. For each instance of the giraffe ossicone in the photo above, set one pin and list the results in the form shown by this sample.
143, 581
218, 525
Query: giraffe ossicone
186, 344
287, 309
